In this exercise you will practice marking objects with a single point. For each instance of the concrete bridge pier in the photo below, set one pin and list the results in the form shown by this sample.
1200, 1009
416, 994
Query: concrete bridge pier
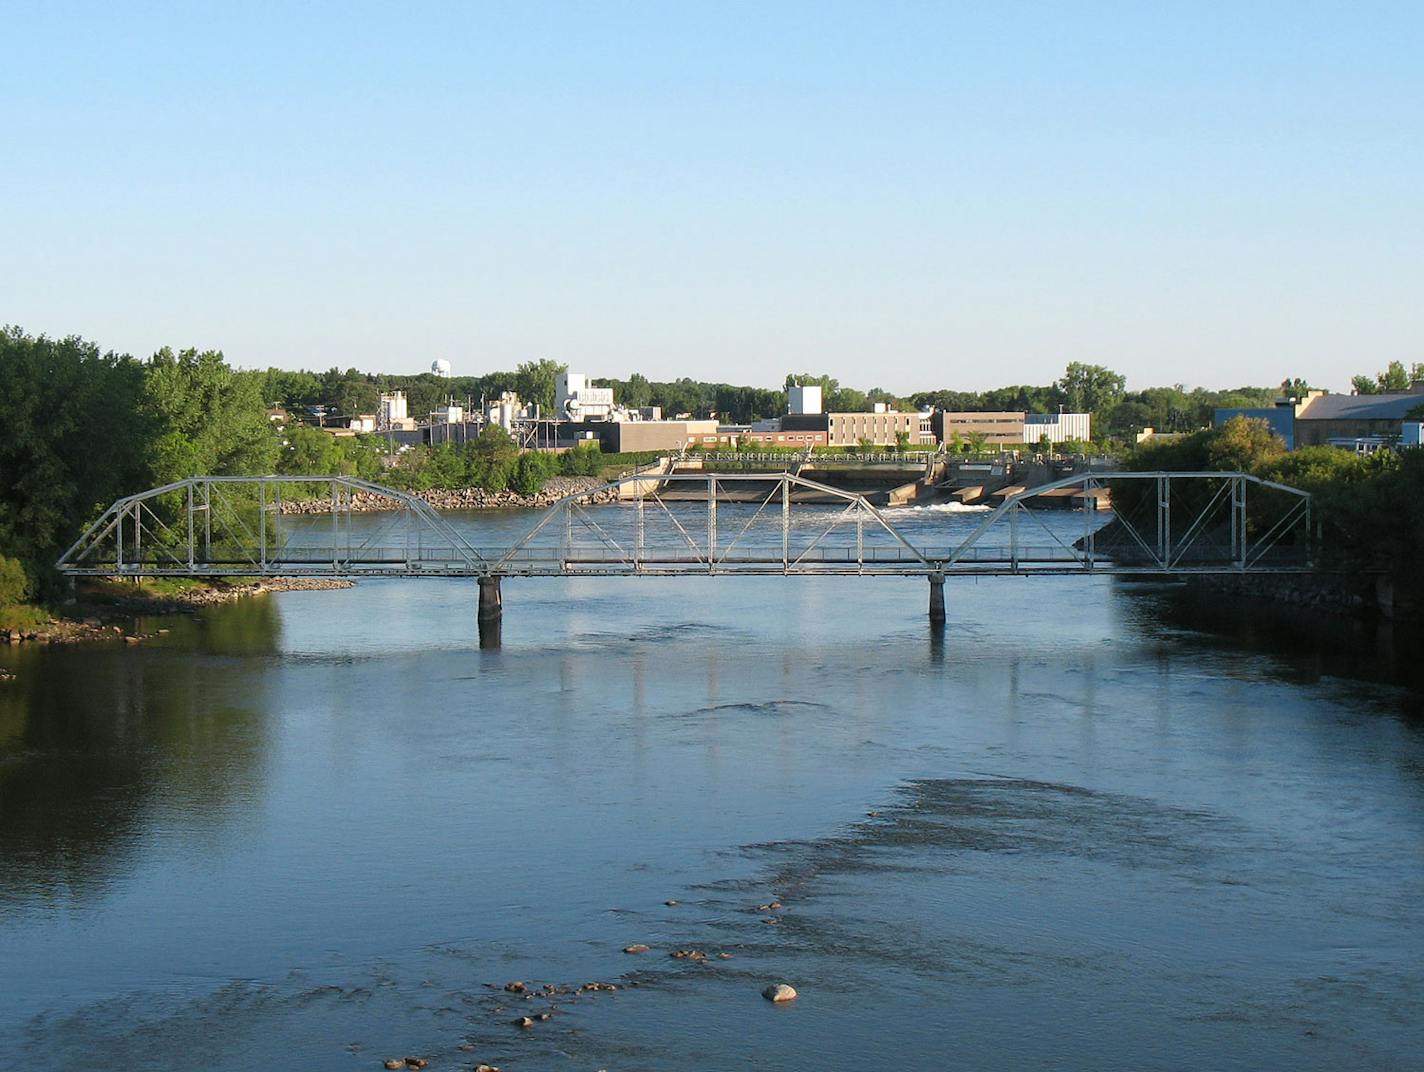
936, 598
491, 612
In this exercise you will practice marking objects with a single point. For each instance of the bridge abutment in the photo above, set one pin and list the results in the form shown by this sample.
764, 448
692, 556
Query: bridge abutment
936, 598
491, 612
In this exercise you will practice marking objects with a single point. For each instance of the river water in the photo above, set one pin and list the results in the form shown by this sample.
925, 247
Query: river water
1094, 825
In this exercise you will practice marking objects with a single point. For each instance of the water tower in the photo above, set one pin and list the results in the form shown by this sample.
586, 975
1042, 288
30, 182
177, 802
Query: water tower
441, 368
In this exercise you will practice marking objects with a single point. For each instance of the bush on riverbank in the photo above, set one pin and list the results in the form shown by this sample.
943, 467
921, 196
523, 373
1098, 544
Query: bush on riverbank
490, 462
1370, 508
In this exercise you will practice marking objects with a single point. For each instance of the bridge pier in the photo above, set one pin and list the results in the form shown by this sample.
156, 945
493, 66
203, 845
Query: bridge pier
491, 612
936, 598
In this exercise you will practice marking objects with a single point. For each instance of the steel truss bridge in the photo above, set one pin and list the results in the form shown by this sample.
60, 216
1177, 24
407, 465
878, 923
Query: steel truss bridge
750, 523
787, 524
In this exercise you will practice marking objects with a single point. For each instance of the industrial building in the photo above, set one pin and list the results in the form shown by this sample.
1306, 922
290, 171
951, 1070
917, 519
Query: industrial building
1058, 427
1362, 423
576, 400
1011, 428
999, 429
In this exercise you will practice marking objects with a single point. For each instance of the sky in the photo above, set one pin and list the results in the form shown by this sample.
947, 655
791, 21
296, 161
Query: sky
908, 196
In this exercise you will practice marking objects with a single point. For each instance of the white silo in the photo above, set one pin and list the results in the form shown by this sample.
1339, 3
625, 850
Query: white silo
441, 368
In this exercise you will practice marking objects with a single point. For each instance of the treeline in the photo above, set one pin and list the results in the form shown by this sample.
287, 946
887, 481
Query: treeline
86, 427
352, 392
1118, 414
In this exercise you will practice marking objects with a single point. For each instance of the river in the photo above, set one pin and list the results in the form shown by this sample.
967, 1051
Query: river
1094, 825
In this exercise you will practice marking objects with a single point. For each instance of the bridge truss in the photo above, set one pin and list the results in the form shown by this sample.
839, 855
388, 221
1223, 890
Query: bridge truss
679, 524
696, 523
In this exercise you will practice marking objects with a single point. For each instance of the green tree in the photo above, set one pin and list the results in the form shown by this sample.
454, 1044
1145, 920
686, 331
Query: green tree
491, 459
1394, 379
75, 440
1090, 388
586, 459
1244, 445
533, 470
534, 380
210, 419
636, 393
14, 584
311, 452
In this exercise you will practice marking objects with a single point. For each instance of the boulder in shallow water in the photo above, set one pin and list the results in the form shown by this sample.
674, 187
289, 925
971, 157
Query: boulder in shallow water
636, 947
779, 992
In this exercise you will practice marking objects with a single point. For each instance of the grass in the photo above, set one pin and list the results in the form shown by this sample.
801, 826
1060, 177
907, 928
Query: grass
23, 616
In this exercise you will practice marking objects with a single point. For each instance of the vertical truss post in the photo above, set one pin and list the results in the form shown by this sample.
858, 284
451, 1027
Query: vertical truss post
860, 539
208, 521
639, 537
785, 523
1240, 510
277, 519
192, 550
119, 541
138, 534
1087, 527
568, 547
262, 525
1164, 519
335, 530
1014, 536
711, 524
1312, 538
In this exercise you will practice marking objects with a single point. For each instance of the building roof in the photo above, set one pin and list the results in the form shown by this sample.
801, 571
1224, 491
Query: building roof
1360, 407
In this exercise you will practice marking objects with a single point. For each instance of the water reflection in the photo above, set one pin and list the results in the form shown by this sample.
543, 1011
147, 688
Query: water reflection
102, 741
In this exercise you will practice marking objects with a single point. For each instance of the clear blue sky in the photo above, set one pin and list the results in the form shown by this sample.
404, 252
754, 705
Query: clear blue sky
901, 195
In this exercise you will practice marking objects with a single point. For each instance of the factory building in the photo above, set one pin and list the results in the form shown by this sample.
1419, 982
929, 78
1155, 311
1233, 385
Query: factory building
576, 400
1058, 427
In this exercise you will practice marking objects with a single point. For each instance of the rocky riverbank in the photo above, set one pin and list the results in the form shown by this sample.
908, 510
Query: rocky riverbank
105, 611
1349, 593
363, 502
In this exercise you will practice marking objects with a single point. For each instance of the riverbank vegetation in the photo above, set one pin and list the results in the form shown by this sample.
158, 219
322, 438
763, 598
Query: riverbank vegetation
1369, 509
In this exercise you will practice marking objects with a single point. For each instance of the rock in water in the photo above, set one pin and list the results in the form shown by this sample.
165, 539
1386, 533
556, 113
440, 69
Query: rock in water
636, 947
779, 992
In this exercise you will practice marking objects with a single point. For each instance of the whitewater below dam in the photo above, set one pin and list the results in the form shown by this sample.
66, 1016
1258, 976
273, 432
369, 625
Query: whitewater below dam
1095, 824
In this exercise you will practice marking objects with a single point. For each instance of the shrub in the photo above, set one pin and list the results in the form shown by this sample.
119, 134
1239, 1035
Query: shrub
14, 584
